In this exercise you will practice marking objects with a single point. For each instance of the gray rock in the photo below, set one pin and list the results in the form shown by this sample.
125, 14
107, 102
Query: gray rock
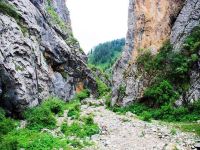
188, 18
125, 71
38, 62
197, 146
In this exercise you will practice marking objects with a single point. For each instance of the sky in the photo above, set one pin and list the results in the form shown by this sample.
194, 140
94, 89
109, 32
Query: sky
98, 21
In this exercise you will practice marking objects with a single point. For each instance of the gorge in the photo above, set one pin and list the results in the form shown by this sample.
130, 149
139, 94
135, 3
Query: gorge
52, 97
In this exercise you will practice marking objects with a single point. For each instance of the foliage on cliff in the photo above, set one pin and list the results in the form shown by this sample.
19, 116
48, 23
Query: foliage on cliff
170, 74
104, 55
172, 67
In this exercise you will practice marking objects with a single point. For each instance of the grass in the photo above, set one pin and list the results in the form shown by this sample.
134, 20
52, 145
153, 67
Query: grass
32, 140
85, 128
165, 112
189, 127
56, 19
44, 116
102, 88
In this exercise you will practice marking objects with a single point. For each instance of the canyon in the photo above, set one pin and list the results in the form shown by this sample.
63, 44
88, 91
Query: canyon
150, 24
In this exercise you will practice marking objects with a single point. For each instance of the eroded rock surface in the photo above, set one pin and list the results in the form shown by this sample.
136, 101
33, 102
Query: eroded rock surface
150, 24
39, 57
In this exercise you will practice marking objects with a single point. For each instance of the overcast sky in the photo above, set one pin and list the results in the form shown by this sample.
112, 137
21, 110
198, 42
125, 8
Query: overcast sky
97, 21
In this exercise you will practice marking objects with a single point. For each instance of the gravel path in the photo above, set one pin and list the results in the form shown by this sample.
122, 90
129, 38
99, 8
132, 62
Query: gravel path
126, 132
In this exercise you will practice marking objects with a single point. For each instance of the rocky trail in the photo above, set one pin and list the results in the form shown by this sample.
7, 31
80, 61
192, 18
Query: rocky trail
126, 132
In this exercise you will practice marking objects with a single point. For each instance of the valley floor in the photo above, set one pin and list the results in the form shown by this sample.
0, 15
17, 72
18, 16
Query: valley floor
126, 132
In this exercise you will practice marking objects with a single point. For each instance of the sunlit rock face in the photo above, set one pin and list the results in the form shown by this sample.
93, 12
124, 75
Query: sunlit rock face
150, 24
39, 57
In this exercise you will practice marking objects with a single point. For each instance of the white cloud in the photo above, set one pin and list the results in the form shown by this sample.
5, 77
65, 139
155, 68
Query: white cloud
97, 21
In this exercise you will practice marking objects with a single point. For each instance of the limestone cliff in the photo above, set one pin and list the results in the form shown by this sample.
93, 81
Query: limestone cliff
39, 56
150, 24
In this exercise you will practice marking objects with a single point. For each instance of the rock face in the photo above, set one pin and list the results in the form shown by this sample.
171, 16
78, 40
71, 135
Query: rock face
39, 56
150, 24
187, 20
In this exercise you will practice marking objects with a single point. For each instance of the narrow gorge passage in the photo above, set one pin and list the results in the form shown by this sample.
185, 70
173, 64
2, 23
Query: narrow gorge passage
127, 132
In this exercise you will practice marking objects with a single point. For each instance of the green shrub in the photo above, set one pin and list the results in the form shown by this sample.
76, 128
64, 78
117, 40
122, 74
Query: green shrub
40, 117
80, 130
2, 114
102, 88
161, 94
170, 66
88, 120
83, 129
121, 91
55, 105
146, 116
31, 140
6, 124
74, 113
108, 100
83, 94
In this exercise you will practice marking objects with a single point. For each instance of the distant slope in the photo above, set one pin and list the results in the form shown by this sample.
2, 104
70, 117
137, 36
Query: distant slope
105, 54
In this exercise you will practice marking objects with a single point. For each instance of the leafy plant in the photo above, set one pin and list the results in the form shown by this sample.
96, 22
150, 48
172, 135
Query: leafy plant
103, 89
40, 117
82, 130
83, 94
55, 105
161, 94
32, 140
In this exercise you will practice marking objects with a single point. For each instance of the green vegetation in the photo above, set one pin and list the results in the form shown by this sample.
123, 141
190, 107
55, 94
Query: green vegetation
102, 88
161, 94
121, 91
6, 124
104, 55
169, 74
173, 67
82, 95
85, 128
189, 127
165, 112
33, 136
56, 19
9, 10
43, 116
33, 140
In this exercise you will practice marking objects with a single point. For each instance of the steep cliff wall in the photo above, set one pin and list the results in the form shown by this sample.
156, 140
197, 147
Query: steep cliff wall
39, 56
150, 24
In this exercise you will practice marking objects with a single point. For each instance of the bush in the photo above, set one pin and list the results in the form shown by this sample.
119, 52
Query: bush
31, 140
161, 94
40, 117
146, 116
81, 130
74, 113
55, 105
102, 88
121, 91
6, 124
83, 94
